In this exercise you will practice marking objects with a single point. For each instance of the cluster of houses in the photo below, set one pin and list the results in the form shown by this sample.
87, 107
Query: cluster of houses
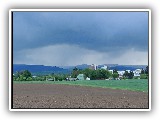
136, 73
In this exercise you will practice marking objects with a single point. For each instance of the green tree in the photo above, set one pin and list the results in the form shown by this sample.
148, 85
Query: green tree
115, 75
75, 72
26, 73
115, 71
130, 75
142, 71
93, 75
103, 74
125, 75
146, 70
23, 75
87, 72
144, 76
29, 79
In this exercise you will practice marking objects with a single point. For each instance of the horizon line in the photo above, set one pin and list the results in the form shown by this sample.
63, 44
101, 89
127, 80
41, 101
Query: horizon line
78, 64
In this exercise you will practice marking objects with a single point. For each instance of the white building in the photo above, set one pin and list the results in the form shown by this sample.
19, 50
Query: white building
128, 71
93, 67
34, 76
137, 72
121, 73
104, 67
88, 78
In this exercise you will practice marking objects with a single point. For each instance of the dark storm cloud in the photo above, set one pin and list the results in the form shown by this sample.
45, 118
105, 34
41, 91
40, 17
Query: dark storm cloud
99, 31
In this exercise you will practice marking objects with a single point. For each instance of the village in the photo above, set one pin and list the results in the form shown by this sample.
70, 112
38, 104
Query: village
112, 74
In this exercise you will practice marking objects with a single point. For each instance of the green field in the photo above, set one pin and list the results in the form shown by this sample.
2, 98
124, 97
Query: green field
134, 84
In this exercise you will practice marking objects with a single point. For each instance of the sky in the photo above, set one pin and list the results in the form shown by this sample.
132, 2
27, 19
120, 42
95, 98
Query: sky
74, 38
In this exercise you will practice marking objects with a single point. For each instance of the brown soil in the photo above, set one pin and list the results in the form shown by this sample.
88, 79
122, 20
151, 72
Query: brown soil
70, 96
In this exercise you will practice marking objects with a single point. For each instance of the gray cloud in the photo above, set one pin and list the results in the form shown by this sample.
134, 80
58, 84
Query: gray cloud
73, 55
113, 33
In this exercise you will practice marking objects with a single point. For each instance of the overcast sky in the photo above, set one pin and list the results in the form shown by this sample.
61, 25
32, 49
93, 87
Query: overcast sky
72, 38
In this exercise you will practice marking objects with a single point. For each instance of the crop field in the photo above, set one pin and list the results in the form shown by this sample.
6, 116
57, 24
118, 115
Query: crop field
134, 84
81, 94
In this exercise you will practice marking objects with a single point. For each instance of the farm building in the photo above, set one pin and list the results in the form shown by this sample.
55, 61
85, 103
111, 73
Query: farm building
88, 78
49, 79
72, 79
81, 77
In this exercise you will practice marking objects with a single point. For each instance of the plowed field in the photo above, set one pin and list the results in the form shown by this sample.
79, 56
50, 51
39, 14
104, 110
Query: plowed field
72, 96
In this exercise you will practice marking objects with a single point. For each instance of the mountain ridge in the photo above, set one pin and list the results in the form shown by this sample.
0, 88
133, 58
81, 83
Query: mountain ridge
42, 69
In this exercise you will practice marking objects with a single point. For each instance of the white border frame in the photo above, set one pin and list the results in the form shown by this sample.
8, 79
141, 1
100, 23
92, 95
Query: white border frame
54, 10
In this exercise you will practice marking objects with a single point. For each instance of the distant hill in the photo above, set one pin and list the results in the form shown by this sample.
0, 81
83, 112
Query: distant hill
83, 66
39, 69
127, 67
44, 70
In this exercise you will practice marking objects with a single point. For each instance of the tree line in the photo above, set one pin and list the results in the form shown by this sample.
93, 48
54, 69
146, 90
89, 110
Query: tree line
99, 74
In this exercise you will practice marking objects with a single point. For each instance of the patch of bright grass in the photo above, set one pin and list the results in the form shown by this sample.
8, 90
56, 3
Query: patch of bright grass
133, 84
